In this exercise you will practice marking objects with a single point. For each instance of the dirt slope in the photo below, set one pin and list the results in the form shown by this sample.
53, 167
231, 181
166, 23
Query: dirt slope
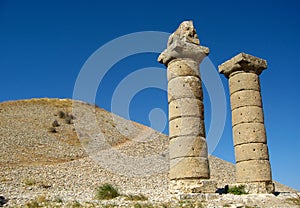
64, 162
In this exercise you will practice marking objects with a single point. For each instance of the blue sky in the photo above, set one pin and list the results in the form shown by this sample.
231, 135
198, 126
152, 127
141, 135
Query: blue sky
44, 44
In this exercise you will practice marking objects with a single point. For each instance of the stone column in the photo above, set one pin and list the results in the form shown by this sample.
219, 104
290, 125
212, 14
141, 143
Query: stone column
249, 135
188, 148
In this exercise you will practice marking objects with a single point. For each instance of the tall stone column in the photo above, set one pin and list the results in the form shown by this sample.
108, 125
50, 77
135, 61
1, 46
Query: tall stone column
249, 135
188, 148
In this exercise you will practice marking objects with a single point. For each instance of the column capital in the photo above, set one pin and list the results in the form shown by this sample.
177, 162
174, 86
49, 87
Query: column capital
243, 63
183, 50
184, 44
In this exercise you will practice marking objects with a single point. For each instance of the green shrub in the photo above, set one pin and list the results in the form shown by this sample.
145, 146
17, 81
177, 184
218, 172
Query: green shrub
29, 181
52, 130
237, 190
295, 201
32, 204
68, 120
61, 114
55, 123
107, 191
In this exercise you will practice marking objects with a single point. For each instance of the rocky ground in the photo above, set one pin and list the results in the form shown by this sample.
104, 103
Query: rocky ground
46, 165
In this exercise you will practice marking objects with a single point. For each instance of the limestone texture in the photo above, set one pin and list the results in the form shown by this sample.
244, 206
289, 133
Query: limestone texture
249, 136
188, 148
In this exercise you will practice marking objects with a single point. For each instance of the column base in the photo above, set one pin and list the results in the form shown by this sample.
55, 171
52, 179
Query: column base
263, 187
185, 186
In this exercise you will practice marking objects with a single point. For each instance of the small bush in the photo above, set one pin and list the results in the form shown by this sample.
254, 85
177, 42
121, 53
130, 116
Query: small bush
68, 120
76, 204
138, 205
41, 199
32, 204
107, 191
61, 114
52, 130
55, 123
139, 197
295, 201
29, 181
70, 115
237, 190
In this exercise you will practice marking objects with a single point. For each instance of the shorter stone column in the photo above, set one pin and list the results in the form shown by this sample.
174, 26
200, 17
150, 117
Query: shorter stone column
249, 135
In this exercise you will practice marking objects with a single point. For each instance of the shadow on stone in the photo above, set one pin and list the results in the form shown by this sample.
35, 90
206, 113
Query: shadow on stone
222, 190
3, 201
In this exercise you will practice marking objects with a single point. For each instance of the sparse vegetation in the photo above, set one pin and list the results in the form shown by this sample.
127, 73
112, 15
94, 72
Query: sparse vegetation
61, 114
55, 123
29, 181
32, 204
76, 204
41, 199
107, 191
138, 205
295, 201
52, 130
237, 190
68, 120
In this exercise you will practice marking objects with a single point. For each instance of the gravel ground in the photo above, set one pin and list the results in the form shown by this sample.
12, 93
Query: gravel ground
65, 168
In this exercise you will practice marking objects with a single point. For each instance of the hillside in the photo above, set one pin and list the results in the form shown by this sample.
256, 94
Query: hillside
42, 155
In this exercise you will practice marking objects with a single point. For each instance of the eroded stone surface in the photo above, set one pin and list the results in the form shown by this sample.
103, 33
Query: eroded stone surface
244, 81
250, 143
192, 186
187, 146
182, 67
247, 114
184, 44
264, 187
184, 87
245, 98
249, 133
188, 149
251, 151
186, 126
253, 171
243, 62
185, 107
189, 167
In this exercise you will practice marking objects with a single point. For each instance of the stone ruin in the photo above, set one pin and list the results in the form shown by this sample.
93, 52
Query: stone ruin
189, 166
249, 135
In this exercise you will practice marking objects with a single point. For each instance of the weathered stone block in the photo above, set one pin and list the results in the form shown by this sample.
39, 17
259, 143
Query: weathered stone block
184, 87
249, 133
265, 187
253, 171
186, 126
248, 114
186, 107
188, 186
245, 98
243, 62
244, 81
251, 151
189, 167
182, 67
188, 146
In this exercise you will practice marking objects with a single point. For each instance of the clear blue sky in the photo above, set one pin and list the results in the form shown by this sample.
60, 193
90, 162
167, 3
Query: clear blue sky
44, 44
